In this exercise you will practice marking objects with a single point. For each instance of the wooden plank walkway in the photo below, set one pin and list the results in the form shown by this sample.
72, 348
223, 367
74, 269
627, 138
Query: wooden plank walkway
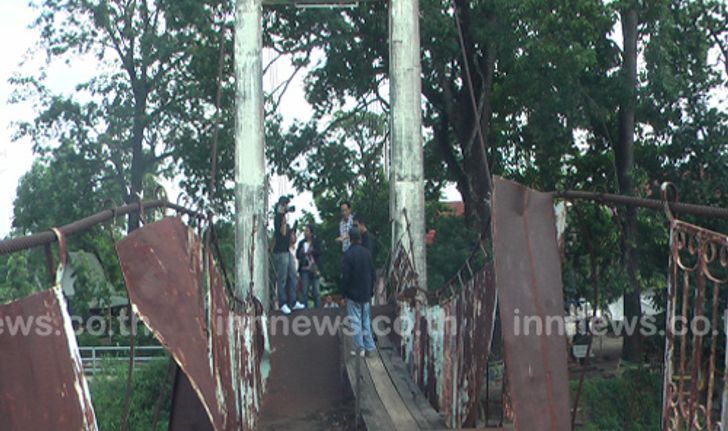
389, 399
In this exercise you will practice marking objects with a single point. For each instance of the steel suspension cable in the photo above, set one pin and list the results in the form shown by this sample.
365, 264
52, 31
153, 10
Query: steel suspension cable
471, 92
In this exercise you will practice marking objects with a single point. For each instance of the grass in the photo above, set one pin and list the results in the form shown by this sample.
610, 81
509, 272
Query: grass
628, 402
109, 386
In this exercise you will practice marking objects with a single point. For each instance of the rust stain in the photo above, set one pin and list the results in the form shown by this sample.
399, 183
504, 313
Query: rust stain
167, 275
447, 350
528, 279
693, 386
25, 368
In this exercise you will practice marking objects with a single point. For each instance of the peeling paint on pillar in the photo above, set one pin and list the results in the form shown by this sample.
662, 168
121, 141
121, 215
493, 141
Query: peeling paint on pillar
250, 179
407, 169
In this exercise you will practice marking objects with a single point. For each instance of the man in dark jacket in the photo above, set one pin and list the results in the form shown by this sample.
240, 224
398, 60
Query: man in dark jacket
358, 287
366, 237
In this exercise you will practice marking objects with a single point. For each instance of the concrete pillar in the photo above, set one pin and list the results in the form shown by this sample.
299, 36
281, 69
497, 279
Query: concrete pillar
407, 170
251, 197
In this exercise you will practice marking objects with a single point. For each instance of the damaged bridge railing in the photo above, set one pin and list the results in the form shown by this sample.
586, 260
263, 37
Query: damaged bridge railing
215, 336
449, 335
448, 345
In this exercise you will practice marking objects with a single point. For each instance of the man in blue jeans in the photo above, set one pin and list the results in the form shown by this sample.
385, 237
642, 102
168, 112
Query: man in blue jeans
357, 281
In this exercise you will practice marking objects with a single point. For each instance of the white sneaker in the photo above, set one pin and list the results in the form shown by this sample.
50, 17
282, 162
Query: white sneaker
285, 309
298, 306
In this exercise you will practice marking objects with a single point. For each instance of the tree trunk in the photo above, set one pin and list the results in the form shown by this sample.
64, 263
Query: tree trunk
137, 158
624, 164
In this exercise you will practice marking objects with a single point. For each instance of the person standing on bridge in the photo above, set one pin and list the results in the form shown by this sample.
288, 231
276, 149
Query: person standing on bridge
357, 279
283, 259
308, 253
367, 239
345, 225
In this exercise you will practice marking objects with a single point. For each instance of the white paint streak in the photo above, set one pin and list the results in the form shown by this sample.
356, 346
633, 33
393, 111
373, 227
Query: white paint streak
80, 384
407, 170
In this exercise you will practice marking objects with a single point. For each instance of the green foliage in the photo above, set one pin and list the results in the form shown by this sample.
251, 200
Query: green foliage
15, 281
547, 75
553, 101
454, 241
90, 284
109, 385
147, 107
631, 402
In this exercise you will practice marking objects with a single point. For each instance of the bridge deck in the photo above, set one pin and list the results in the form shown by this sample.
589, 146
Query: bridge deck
306, 388
389, 398
310, 387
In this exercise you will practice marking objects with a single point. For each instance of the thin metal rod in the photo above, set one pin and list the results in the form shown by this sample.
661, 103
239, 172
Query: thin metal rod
678, 207
42, 238
471, 92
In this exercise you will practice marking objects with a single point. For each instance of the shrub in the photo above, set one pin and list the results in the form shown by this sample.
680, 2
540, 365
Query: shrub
629, 402
108, 388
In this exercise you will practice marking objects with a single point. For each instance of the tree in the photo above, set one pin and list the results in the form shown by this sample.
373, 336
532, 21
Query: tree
16, 282
153, 93
529, 65
624, 166
560, 105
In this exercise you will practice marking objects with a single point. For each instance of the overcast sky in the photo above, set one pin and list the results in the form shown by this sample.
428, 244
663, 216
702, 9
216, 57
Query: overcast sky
15, 157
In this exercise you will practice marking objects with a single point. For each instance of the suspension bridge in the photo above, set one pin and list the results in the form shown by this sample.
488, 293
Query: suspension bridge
233, 372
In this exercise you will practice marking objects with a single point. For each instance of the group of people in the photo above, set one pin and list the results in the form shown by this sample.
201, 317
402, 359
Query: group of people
303, 261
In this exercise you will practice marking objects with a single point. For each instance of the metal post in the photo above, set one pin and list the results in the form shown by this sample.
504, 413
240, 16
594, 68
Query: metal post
250, 180
407, 171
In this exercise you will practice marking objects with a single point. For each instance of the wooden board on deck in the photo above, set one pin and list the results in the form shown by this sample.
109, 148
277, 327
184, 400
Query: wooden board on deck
373, 412
425, 415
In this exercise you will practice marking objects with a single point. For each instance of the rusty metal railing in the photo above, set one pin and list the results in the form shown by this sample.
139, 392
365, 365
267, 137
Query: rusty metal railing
47, 237
695, 388
447, 345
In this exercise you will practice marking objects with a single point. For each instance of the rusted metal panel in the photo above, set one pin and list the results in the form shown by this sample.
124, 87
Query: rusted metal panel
528, 279
447, 343
476, 318
42, 385
162, 268
167, 276
695, 386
